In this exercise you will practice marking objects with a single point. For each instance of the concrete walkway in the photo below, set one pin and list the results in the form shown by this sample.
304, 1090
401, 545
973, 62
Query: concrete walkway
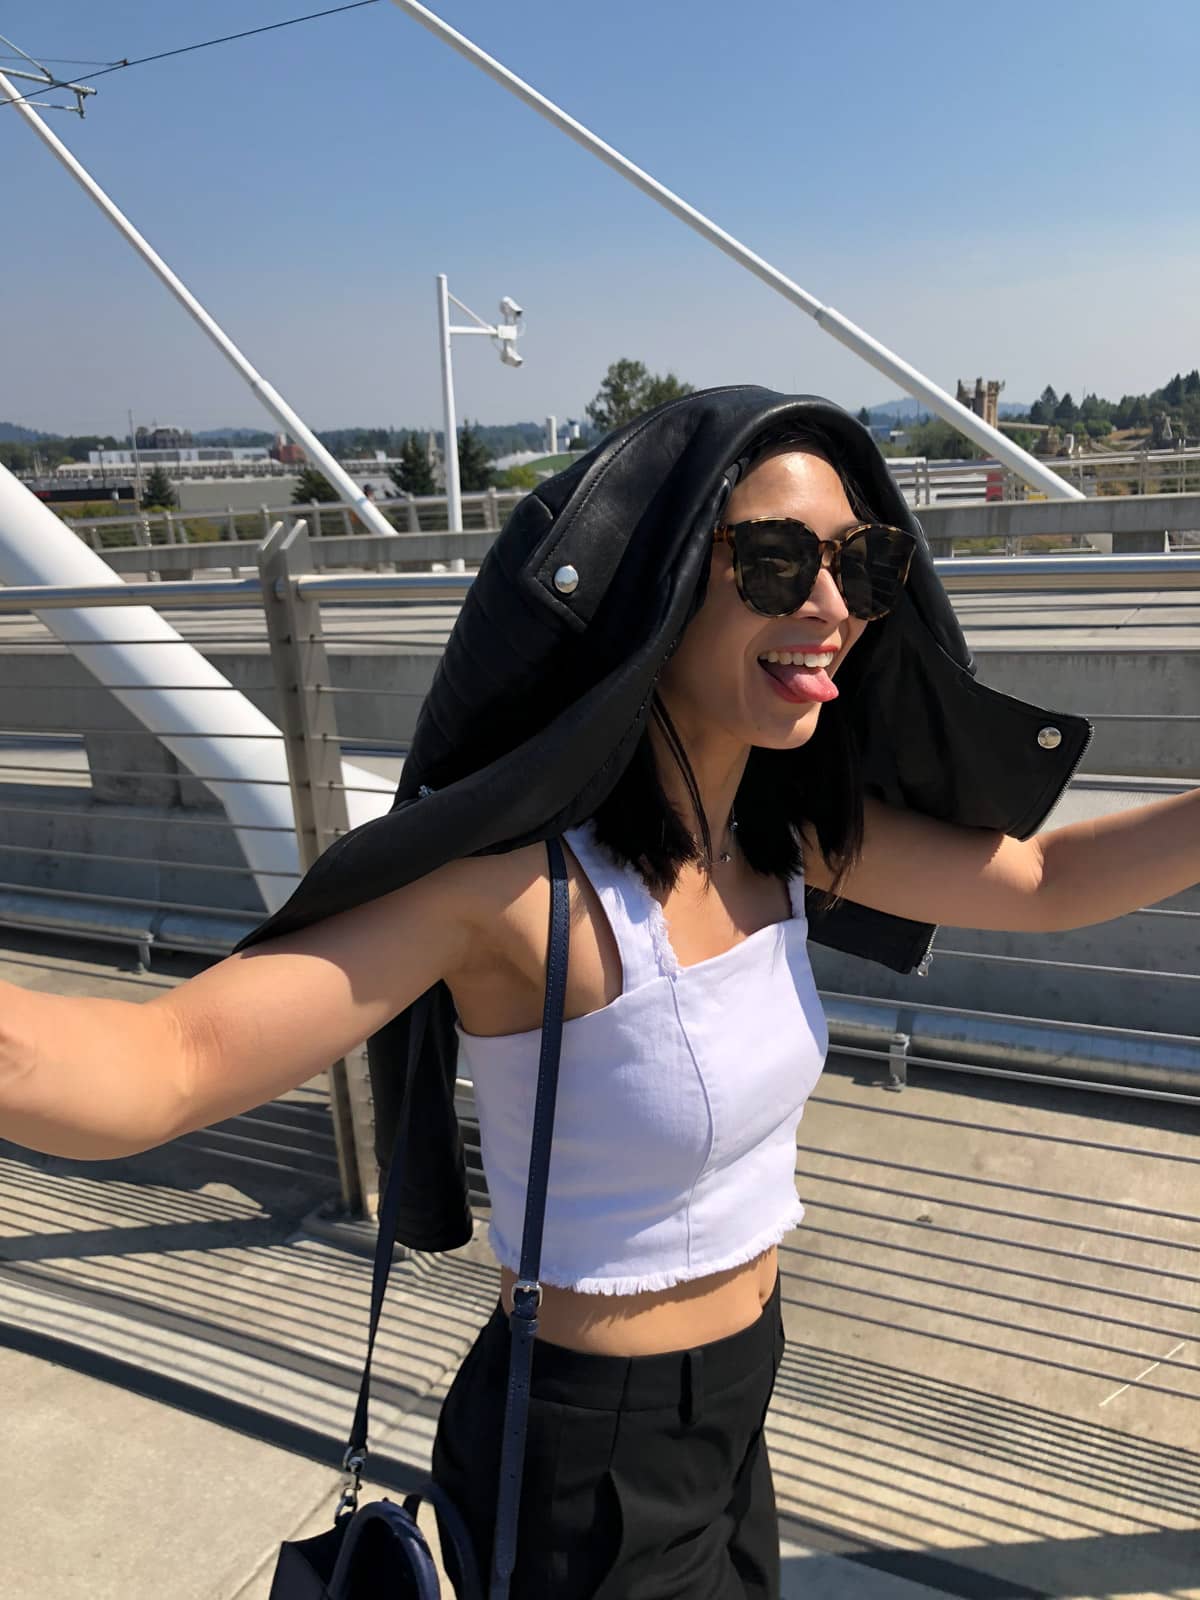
178, 1358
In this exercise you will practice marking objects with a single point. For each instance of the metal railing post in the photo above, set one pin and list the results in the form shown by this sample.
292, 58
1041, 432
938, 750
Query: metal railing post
300, 667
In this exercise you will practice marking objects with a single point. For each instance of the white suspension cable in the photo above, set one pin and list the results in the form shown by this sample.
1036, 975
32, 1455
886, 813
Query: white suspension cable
832, 322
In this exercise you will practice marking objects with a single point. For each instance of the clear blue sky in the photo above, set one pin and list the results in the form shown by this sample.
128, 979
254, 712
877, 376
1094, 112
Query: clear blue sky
997, 189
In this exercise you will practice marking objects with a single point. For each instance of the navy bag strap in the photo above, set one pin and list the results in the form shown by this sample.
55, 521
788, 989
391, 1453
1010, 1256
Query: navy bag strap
527, 1293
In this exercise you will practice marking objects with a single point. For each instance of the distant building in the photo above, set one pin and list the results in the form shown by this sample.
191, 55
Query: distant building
157, 438
282, 449
984, 401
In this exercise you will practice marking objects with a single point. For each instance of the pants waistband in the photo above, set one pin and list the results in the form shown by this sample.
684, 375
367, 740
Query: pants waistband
642, 1383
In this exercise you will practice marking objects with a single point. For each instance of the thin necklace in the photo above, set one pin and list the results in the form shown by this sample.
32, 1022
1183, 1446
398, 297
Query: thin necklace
725, 855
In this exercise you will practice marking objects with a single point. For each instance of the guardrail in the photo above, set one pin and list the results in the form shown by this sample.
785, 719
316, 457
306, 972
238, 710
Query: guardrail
997, 1275
1101, 473
410, 514
118, 867
1109, 525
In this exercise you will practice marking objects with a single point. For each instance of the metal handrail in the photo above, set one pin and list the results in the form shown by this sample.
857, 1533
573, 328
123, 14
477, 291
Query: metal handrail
983, 573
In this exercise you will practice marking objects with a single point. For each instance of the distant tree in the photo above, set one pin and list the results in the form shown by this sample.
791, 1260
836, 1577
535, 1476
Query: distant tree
579, 443
474, 461
1191, 384
1173, 391
1066, 411
1098, 427
628, 390
16, 457
520, 477
415, 475
159, 491
313, 485
1023, 438
1132, 411
1044, 407
938, 441
864, 416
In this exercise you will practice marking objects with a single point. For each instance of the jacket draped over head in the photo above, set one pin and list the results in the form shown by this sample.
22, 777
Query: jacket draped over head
542, 694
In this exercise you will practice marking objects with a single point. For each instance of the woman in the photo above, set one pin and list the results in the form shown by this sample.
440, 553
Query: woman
694, 1031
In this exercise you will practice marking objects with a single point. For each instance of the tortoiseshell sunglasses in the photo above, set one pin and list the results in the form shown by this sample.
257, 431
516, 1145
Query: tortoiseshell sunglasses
776, 561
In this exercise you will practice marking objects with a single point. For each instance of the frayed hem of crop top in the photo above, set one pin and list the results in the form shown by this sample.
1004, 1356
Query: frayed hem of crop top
650, 1282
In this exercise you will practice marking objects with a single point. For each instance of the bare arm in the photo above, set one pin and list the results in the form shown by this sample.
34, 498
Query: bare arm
1093, 871
93, 1079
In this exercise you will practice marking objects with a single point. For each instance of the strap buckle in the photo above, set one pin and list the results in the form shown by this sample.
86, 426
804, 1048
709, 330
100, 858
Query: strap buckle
353, 1463
526, 1291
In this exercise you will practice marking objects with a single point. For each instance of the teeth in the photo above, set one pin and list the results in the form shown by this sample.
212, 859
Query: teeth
796, 658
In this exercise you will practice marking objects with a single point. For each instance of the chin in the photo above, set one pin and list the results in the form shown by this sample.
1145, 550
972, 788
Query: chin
801, 731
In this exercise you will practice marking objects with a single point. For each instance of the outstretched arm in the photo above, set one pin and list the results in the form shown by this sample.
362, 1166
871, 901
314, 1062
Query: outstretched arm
1093, 871
92, 1079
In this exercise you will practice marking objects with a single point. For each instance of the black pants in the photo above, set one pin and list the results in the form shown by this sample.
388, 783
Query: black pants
646, 1477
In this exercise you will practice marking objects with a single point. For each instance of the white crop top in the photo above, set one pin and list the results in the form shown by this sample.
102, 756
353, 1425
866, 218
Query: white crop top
674, 1145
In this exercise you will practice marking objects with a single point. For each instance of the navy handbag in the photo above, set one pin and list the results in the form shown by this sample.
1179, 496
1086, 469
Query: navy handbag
376, 1551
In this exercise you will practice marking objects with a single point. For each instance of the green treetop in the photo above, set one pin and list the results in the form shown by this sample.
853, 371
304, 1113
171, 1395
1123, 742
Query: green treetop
628, 390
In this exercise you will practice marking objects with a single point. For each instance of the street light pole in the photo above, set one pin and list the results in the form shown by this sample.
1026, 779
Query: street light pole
454, 514
504, 335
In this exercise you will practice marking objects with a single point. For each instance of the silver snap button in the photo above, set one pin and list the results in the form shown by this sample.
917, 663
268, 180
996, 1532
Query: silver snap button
566, 580
1049, 738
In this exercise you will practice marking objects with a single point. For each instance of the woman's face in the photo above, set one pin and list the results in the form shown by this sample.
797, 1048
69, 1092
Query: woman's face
716, 681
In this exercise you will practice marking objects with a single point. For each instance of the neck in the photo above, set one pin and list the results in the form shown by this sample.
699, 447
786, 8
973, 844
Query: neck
717, 762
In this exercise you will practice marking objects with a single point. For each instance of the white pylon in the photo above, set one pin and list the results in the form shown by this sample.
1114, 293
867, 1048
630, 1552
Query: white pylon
36, 548
1027, 467
347, 490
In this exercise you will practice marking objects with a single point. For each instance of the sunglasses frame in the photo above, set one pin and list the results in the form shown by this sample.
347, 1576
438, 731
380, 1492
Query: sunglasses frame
726, 533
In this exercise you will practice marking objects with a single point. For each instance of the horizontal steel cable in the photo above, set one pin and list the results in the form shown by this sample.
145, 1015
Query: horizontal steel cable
1000, 1239
1190, 1336
1000, 1211
989, 1349
994, 1183
993, 1127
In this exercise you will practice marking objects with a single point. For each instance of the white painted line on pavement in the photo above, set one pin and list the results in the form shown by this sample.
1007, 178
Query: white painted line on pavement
1145, 1374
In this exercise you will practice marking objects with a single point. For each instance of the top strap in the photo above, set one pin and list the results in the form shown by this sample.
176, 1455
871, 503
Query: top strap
634, 915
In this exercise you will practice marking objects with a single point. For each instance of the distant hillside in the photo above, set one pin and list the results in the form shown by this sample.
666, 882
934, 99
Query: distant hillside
903, 410
13, 433
909, 410
240, 436
497, 438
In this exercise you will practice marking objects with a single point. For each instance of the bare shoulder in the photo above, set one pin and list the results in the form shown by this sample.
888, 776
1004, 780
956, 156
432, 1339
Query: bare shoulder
504, 900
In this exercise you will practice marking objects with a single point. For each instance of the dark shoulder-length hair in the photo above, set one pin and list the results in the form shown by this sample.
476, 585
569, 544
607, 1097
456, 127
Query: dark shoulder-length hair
817, 787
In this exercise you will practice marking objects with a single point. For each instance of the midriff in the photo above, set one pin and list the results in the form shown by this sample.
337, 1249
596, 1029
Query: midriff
659, 1320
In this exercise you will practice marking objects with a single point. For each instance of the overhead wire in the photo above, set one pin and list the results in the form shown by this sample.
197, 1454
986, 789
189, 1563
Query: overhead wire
186, 49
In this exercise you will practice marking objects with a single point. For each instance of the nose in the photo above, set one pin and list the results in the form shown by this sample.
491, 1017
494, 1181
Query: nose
826, 597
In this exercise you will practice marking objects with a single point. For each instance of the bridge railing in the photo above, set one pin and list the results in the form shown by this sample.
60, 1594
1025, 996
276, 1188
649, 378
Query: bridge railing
104, 834
924, 483
170, 544
994, 1301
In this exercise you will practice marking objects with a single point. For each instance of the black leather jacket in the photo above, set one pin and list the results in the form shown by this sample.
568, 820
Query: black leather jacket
541, 696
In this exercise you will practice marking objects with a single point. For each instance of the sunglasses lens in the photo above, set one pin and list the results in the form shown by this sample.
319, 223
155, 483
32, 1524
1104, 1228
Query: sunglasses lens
874, 566
778, 562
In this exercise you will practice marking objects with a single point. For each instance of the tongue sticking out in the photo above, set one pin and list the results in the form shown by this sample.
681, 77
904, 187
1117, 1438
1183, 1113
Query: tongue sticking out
801, 683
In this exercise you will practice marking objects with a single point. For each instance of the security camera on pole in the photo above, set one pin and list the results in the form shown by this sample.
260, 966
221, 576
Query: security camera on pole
505, 335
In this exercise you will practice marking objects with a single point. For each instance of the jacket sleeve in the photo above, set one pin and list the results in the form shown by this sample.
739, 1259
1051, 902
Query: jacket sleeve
413, 1066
